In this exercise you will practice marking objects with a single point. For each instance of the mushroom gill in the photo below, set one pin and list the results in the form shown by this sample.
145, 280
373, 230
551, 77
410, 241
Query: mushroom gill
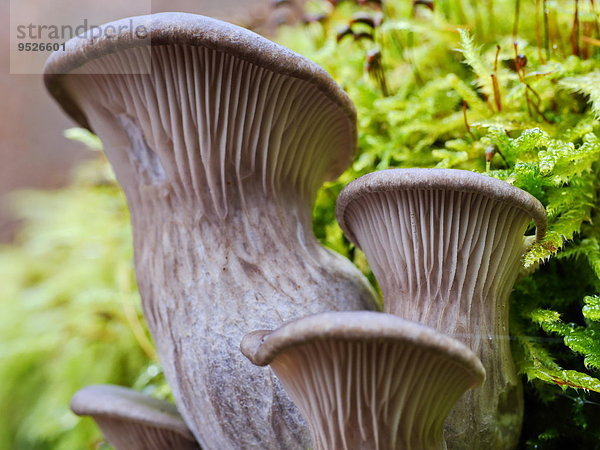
445, 247
368, 380
131, 420
220, 140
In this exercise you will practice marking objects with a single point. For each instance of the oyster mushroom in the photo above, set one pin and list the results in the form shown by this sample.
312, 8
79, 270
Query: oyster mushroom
445, 246
220, 140
368, 380
131, 420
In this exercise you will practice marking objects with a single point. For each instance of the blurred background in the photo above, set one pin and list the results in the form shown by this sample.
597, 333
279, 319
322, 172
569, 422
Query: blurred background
33, 151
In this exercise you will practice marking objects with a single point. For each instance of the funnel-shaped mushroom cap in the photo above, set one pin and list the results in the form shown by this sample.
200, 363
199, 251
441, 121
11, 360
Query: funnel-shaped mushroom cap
131, 420
220, 139
368, 380
375, 186
445, 246
190, 81
430, 234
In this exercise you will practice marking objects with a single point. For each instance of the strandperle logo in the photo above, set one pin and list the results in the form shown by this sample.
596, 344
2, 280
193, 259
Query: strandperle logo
63, 33
34, 36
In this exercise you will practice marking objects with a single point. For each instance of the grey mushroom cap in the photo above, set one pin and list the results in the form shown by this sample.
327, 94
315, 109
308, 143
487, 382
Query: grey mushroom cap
263, 346
368, 380
445, 246
439, 179
119, 405
172, 28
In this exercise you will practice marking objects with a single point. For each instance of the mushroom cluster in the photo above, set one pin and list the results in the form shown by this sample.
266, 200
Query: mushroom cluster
220, 140
445, 246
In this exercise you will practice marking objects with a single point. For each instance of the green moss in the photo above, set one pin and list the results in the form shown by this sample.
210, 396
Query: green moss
69, 311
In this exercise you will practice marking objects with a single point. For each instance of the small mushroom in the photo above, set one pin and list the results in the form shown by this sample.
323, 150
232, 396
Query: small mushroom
220, 139
445, 246
368, 380
131, 420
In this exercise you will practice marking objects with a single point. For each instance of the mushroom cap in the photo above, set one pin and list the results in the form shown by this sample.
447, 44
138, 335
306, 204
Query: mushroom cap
200, 31
439, 179
368, 379
263, 346
127, 405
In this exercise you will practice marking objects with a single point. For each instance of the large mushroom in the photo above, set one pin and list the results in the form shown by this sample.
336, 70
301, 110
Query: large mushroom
220, 140
368, 380
131, 420
445, 246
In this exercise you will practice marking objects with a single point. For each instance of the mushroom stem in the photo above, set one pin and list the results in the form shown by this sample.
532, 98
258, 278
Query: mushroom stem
131, 420
367, 380
445, 246
220, 140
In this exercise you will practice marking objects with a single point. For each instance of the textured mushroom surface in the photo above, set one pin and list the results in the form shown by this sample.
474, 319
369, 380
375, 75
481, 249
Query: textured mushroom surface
368, 380
220, 140
131, 420
445, 246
